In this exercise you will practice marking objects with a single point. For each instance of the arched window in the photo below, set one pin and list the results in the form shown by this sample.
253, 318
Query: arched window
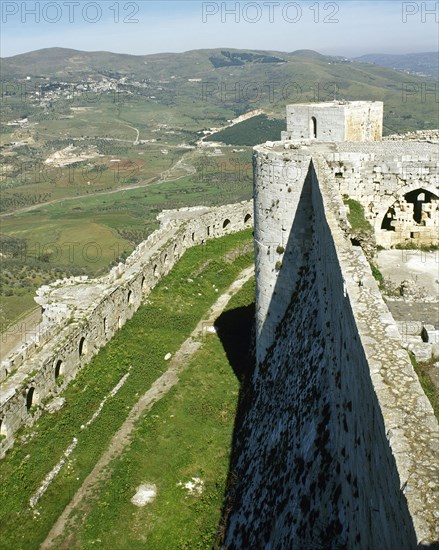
30, 398
58, 368
226, 223
82, 347
247, 218
417, 198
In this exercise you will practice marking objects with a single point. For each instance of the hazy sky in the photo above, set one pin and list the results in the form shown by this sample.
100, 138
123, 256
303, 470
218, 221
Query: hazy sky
344, 27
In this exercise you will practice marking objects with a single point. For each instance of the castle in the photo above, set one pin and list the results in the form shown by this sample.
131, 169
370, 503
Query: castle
338, 444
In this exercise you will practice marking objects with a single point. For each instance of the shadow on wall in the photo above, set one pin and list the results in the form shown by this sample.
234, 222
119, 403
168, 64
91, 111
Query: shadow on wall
236, 331
310, 465
292, 259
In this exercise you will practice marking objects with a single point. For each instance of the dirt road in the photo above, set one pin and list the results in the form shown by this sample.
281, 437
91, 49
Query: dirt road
163, 177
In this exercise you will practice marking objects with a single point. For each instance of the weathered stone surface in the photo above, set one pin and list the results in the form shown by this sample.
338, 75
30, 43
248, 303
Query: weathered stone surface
55, 404
397, 184
430, 334
421, 350
335, 121
337, 443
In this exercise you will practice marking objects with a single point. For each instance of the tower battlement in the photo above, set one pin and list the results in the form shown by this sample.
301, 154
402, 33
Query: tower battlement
335, 121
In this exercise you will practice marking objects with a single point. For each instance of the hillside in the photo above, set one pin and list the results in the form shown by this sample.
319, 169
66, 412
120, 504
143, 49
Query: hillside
97, 143
423, 64
207, 84
251, 132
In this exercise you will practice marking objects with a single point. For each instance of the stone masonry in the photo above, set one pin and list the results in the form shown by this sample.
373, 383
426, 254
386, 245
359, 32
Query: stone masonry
395, 180
81, 315
337, 445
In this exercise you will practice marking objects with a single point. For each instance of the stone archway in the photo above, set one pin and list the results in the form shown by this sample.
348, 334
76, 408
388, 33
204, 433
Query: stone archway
31, 397
390, 215
418, 198
59, 369
412, 217
387, 201
82, 348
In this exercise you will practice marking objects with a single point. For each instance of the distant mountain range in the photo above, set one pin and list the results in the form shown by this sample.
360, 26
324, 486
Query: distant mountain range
234, 81
65, 62
423, 64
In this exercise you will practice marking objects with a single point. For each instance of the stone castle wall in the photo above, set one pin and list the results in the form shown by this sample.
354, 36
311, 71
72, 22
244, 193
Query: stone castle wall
380, 178
81, 315
429, 136
337, 445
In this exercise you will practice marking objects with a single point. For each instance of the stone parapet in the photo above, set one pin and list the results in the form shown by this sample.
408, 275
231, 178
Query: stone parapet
81, 315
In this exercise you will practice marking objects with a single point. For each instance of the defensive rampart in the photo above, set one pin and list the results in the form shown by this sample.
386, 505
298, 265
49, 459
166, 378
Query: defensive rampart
81, 315
338, 444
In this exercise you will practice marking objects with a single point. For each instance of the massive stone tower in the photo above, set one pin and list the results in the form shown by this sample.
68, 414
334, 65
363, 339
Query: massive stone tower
336, 121
282, 197
335, 446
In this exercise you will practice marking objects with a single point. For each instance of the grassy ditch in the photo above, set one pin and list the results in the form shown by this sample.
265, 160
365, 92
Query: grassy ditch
186, 436
160, 326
